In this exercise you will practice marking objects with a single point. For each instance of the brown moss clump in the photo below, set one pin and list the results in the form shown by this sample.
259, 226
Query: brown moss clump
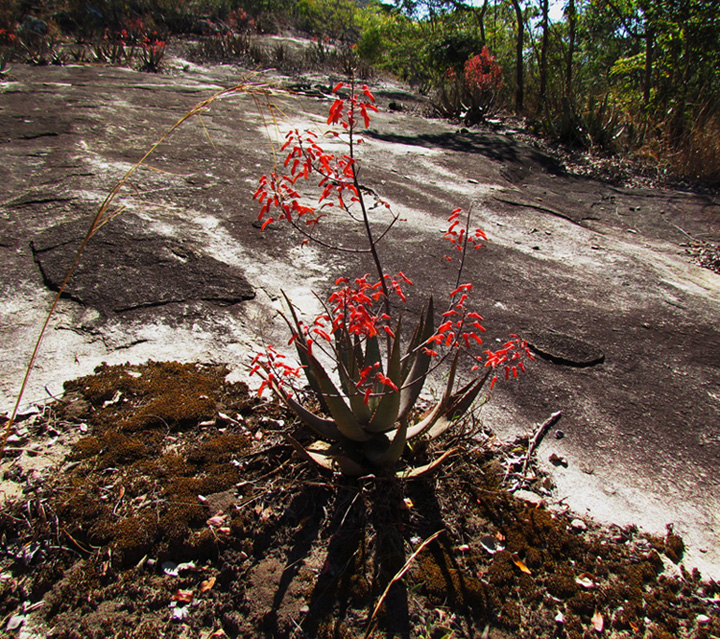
562, 583
674, 547
510, 616
148, 499
166, 395
443, 582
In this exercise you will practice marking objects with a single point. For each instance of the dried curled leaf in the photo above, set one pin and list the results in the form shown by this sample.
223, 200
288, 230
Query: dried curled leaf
183, 596
521, 564
207, 584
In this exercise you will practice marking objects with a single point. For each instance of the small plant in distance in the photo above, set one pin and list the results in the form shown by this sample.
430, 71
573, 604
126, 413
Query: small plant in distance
379, 369
152, 51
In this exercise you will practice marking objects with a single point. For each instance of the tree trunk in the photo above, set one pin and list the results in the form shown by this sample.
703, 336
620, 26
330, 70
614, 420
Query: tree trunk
543, 53
647, 81
571, 18
519, 74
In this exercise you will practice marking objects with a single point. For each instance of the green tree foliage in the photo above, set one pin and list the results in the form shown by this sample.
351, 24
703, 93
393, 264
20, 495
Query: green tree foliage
335, 18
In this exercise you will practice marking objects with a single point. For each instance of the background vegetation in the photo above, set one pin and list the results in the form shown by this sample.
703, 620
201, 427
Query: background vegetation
637, 77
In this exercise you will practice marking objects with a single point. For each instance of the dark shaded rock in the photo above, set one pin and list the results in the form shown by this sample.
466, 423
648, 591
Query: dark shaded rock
204, 28
563, 349
126, 267
33, 25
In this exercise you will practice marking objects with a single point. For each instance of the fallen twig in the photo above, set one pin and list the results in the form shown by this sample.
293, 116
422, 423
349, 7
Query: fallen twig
538, 436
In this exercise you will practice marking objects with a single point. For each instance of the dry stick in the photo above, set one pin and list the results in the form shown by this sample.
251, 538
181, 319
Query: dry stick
101, 218
538, 436
397, 577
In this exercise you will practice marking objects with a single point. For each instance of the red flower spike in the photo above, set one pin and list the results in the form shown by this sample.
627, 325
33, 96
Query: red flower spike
459, 289
338, 86
367, 396
386, 381
444, 327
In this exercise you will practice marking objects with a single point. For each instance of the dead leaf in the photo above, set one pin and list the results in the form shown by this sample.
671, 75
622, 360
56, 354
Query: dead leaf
586, 580
521, 564
598, 622
207, 584
183, 596
216, 521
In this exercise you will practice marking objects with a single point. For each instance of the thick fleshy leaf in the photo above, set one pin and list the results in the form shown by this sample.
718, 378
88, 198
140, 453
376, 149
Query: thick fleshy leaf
427, 422
349, 374
372, 352
302, 351
461, 401
440, 409
320, 455
328, 457
415, 379
386, 413
382, 450
343, 417
347, 364
416, 340
323, 428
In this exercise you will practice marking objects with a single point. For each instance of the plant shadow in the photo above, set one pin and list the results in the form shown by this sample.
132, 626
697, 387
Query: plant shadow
364, 529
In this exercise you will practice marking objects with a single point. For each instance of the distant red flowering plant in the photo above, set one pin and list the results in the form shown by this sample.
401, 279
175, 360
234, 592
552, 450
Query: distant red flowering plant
471, 91
482, 72
152, 52
379, 373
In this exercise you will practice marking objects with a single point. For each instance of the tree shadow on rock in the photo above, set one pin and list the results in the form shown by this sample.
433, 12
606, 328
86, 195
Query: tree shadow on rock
499, 148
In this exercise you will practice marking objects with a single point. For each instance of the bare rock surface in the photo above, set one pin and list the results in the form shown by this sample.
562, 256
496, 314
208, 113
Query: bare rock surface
602, 265
125, 268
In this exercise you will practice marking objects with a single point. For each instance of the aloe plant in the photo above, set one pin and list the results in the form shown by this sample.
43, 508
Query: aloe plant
369, 397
